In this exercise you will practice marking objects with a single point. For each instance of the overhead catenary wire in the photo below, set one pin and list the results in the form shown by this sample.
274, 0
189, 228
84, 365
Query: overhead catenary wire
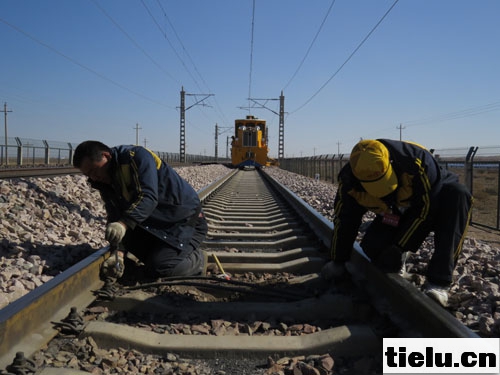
174, 49
311, 45
163, 32
347, 60
79, 64
218, 107
183, 47
251, 55
166, 37
135, 43
469, 112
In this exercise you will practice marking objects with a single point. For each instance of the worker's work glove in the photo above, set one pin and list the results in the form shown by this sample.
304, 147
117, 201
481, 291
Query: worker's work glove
390, 259
333, 271
115, 232
114, 266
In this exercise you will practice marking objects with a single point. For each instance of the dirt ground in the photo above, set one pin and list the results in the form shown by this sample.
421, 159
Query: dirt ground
490, 236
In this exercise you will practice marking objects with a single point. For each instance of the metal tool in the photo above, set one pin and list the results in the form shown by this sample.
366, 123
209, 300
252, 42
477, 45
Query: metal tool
223, 274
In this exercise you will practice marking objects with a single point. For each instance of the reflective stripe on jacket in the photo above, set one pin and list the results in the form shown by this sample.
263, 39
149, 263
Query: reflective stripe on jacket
420, 178
147, 191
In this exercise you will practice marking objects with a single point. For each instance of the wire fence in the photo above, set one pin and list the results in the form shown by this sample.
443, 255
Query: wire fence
477, 167
27, 152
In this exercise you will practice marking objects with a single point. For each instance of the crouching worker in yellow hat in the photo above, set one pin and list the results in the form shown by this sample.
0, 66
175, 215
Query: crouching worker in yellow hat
411, 196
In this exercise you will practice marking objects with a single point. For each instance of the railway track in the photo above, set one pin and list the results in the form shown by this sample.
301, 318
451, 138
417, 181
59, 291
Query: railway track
261, 302
43, 171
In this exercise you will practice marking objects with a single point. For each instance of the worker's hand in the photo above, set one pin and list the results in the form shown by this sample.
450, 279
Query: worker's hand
114, 266
115, 232
333, 271
390, 259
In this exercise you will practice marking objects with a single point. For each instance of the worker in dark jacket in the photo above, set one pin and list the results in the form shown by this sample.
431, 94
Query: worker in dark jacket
411, 195
152, 212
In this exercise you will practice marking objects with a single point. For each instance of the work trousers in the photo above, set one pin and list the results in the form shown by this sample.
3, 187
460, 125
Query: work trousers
164, 260
449, 221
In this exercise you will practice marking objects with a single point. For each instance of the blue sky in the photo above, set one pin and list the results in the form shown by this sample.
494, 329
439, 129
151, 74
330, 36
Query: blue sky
72, 70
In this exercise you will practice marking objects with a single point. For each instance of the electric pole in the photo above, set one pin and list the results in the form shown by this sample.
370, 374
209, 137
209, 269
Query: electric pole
182, 143
5, 123
219, 131
281, 115
137, 134
216, 141
281, 133
400, 127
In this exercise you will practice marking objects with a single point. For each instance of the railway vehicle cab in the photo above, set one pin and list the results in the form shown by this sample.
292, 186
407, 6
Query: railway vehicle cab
249, 143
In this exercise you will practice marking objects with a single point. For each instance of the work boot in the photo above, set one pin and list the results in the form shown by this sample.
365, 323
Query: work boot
402, 272
437, 293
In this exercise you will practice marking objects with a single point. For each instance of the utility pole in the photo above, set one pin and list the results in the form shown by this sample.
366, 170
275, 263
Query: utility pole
145, 143
5, 122
281, 133
216, 141
338, 148
218, 131
182, 143
281, 114
400, 127
137, 134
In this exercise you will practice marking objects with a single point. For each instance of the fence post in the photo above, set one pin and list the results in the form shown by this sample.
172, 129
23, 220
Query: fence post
47, 155
19, 151
469, 168
70, 153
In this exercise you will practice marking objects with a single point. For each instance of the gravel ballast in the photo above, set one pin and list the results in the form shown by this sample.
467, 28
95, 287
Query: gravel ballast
50, 223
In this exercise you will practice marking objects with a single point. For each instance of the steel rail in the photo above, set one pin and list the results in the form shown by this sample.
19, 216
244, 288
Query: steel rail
25, 325
408, 304
6, 173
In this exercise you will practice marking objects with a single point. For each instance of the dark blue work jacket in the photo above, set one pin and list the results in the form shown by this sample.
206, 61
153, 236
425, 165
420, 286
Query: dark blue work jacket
420, 179
145, 191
